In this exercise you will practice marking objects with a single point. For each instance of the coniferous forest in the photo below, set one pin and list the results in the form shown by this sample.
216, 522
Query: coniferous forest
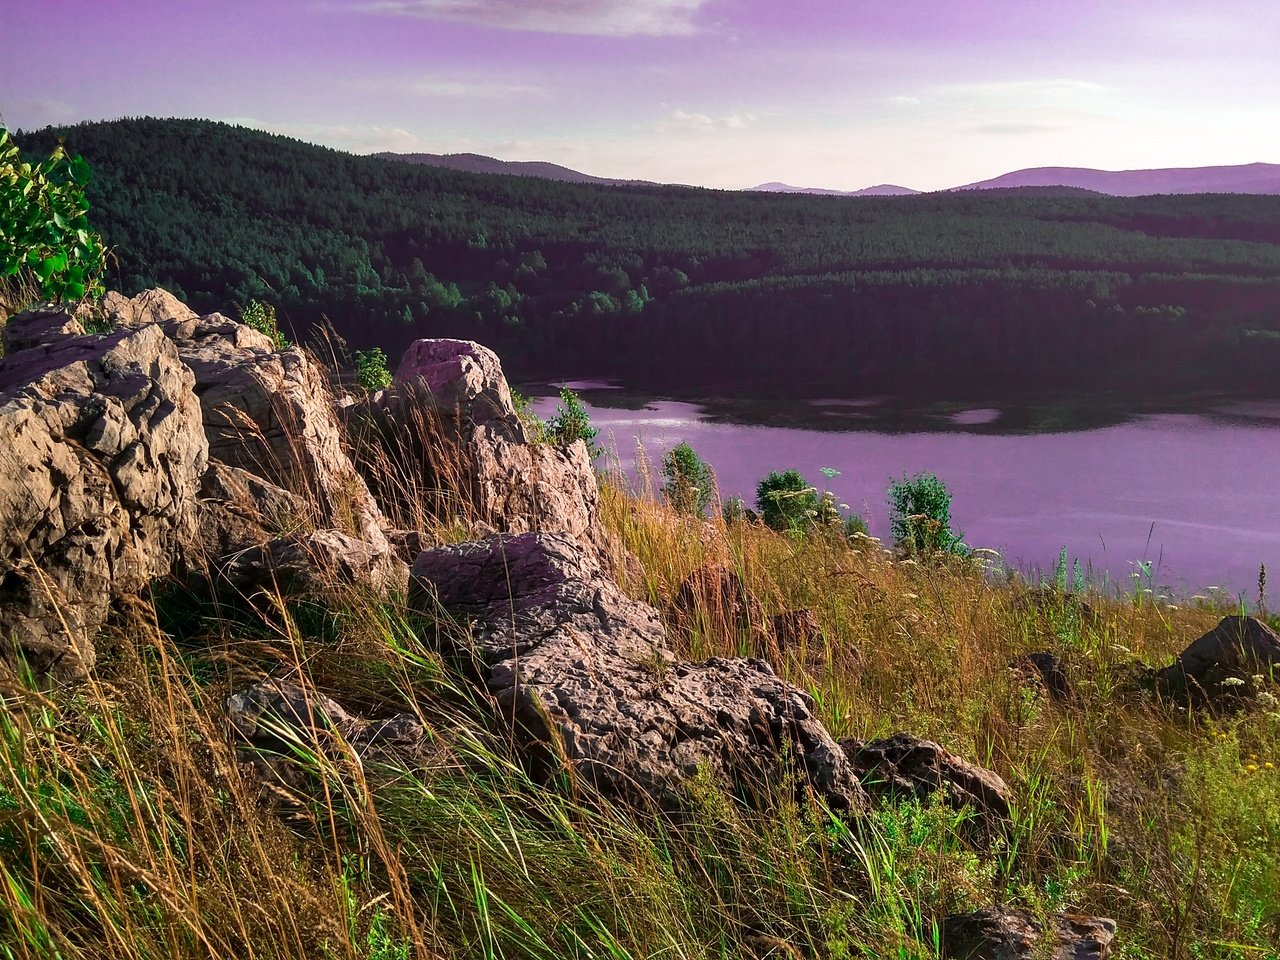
977, 294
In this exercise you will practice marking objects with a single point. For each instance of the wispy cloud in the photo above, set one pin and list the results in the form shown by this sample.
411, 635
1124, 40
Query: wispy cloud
461, 89
1015, 129
608, 18
704, 122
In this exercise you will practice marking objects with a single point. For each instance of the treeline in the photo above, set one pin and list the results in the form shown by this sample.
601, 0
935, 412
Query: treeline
977, 293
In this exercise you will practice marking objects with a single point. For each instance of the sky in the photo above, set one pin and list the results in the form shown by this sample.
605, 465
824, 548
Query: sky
721, 93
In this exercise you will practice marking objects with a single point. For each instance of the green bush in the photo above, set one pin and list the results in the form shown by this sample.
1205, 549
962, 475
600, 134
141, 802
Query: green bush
920, 515
371, 369
687, 481
572, 422
786, 500
46, 243
262, 317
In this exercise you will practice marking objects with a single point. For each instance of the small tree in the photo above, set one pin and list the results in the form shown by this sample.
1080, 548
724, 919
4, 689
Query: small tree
920, 515
572, 422
46, 244
687, 480
371, 369
262, 317
786, 500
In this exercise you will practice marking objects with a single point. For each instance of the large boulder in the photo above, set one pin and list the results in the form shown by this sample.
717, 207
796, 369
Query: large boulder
274, 436
1227, 664
448, 443
101, 454
905, 766
1003, 933
587, 679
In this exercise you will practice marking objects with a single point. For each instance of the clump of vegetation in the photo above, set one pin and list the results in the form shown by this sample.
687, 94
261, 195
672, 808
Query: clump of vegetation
787, 501
262, 317
571, 422
920, 515
48, 250
371, 369
687, 481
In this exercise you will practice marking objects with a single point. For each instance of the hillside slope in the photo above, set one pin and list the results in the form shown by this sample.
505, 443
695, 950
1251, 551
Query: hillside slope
980, 293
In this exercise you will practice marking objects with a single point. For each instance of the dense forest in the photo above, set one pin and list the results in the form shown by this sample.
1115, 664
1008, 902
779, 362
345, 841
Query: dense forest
959, 294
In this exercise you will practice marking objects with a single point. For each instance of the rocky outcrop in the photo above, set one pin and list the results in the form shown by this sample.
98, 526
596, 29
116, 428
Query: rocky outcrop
586, 678
1228, 664
447, 430
101, 454
904, 766
1002, 933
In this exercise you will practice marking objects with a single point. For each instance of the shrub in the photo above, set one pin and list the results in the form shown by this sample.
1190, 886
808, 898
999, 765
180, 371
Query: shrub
572, 422
371, 369
687, 480
735, 511
46, 244
920, 515
786, 500
262, 317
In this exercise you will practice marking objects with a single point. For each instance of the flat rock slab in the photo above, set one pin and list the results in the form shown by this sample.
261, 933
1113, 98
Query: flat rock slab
586, 678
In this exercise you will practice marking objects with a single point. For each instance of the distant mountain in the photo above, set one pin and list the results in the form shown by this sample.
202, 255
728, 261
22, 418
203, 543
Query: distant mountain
879, 190
476, 163
1254, 178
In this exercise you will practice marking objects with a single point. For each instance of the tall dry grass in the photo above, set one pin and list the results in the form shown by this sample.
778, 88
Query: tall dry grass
131, 827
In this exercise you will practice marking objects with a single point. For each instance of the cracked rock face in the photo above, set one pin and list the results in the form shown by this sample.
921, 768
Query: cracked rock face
586, 678
449, 422
101, 454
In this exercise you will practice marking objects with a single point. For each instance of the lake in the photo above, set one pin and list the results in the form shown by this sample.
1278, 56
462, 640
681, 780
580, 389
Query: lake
1195, 495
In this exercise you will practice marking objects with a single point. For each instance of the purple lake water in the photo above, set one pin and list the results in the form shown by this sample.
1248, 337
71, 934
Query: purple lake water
1196, 495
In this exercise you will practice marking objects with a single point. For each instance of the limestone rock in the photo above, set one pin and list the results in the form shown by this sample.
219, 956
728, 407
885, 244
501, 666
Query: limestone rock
1002, 933
587, 679
908, 766
314, 564
39, 328
448, 429
101, 454
1221, 665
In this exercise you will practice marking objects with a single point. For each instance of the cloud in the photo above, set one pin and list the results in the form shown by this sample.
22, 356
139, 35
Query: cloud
604, 18
1015, 129
438, 87
906, 101
33, 112
703, 122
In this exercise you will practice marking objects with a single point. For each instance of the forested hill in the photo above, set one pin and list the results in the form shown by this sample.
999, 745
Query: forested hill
983, 293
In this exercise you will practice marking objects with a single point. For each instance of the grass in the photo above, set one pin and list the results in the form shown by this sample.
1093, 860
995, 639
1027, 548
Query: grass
130, 828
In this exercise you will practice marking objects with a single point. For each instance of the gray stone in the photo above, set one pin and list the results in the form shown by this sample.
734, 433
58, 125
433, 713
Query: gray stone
101, 454
1002, 933
1222, 665
586, 678
907, 766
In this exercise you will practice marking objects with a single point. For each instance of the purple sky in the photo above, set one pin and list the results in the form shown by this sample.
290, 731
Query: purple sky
725, 93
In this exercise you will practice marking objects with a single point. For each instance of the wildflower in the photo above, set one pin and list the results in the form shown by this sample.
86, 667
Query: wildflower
1268, 700
1269, 765
1232, 682
1252, 768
